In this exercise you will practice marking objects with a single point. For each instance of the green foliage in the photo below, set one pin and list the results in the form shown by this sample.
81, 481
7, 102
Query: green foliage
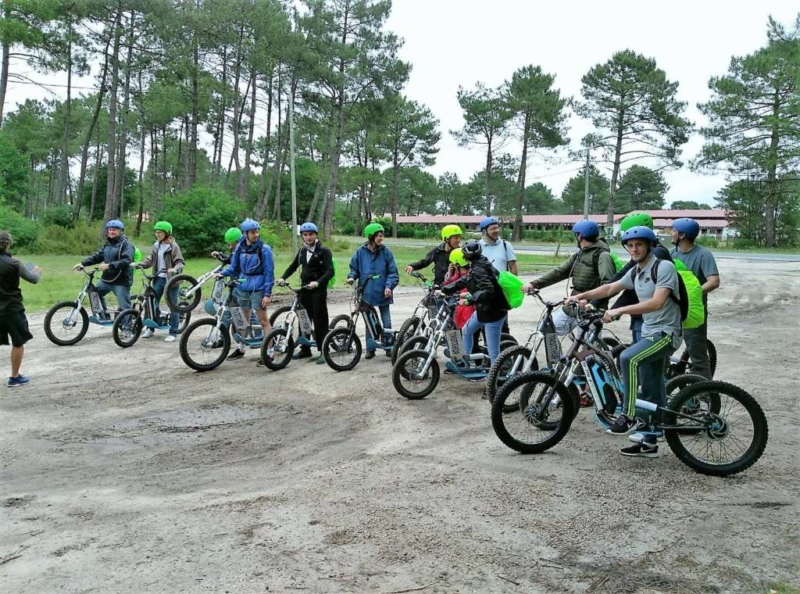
707, 241
13, 174
60, 215
689, 205
641, 188
200, 217
574, 193
59, 239
551, 236
22, 229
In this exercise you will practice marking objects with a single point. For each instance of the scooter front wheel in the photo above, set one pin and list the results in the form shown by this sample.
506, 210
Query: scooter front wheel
127, 328
66, 323
341, 349
408, 377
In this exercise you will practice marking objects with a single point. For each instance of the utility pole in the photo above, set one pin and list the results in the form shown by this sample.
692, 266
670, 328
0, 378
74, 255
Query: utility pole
586, 186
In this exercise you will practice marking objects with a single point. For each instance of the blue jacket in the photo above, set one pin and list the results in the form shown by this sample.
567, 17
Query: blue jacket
365, 264
253, 264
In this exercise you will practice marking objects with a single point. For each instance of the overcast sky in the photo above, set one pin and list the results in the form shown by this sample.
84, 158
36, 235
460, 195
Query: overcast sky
457, 42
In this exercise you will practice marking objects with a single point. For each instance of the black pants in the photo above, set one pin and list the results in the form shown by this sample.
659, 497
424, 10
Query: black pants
316, 304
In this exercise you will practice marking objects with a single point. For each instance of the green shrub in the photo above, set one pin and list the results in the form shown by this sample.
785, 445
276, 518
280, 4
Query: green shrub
707, 241
741, 243
61, 215
22, 229
200, 217
82, 239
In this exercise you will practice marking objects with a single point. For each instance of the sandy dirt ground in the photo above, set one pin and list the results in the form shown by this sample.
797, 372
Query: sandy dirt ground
125, 471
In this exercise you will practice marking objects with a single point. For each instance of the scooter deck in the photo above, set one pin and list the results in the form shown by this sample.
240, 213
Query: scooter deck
469, 374
251, 342
153, 325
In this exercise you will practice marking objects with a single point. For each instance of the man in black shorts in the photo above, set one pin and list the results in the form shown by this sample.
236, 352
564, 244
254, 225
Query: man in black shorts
13, 322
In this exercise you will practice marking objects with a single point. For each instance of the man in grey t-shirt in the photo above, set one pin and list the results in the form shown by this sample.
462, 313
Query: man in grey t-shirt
496, 249
702, 264
657, 288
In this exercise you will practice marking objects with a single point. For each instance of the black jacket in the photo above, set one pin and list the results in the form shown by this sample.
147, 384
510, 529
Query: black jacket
319, 268
11, 270
440, 258
481, 282
118, 253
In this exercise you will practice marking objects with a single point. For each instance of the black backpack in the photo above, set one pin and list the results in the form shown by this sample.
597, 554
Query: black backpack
683, 301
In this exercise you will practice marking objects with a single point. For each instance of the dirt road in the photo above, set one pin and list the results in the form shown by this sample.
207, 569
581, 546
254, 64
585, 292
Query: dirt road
124, 471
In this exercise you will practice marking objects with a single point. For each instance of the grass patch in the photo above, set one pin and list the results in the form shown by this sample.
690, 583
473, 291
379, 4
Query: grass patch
59, 283
782, 589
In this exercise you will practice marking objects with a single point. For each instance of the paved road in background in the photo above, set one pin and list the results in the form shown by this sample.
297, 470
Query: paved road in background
550, 249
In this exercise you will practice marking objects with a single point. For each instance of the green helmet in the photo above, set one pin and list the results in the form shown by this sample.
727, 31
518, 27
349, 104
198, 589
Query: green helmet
637, 219
457, 257
449, 230
372, 229
163, 226
233, 235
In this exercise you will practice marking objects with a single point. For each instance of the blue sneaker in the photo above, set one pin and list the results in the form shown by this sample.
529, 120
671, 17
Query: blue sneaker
20, 380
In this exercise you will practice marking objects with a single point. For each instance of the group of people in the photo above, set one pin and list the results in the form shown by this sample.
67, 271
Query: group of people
648, 282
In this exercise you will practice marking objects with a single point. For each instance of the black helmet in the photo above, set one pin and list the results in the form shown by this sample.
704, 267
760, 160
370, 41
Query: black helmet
471, 250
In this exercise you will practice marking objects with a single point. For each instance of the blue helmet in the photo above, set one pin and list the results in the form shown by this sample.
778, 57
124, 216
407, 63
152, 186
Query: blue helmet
688, 227
487, 222
115, 224
645, 233
586, 229
308, 228
249, 225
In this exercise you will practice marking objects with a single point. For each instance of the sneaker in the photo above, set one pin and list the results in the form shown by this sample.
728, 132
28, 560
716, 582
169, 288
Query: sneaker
641, 450
623, 426
369, 355
148, 333
237, 354
20, 380
302, 354
320, 360
170, 338
586, 400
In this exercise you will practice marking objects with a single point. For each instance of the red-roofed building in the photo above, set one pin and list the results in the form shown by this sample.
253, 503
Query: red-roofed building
712, 222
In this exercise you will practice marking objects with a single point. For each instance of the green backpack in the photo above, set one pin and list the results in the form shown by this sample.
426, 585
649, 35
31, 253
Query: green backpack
617, 262
696, 312
511, 284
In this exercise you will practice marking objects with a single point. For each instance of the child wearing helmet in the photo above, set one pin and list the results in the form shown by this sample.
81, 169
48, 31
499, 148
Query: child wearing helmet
642, 363
232, 237
440, 255
252, 263
166, 260
115, 259
374, 268
316, 264
700, 261
491, 307
588, 268
460, 267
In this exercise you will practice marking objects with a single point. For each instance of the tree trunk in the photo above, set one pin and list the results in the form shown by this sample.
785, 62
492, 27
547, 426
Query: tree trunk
142, 151
119, 179
488, 177
191, 165
523, 166
244, 185
278, 151
612, 194
772, 177
97, 163
90, 132
236, 112
261, 205
5, 61
395, 175
220, 138
63, 172
111, 205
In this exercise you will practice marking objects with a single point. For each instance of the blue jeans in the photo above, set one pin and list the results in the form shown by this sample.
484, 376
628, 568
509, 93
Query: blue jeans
386, 321
159, 284
642, 364
492, 331
636, 328
122, 292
